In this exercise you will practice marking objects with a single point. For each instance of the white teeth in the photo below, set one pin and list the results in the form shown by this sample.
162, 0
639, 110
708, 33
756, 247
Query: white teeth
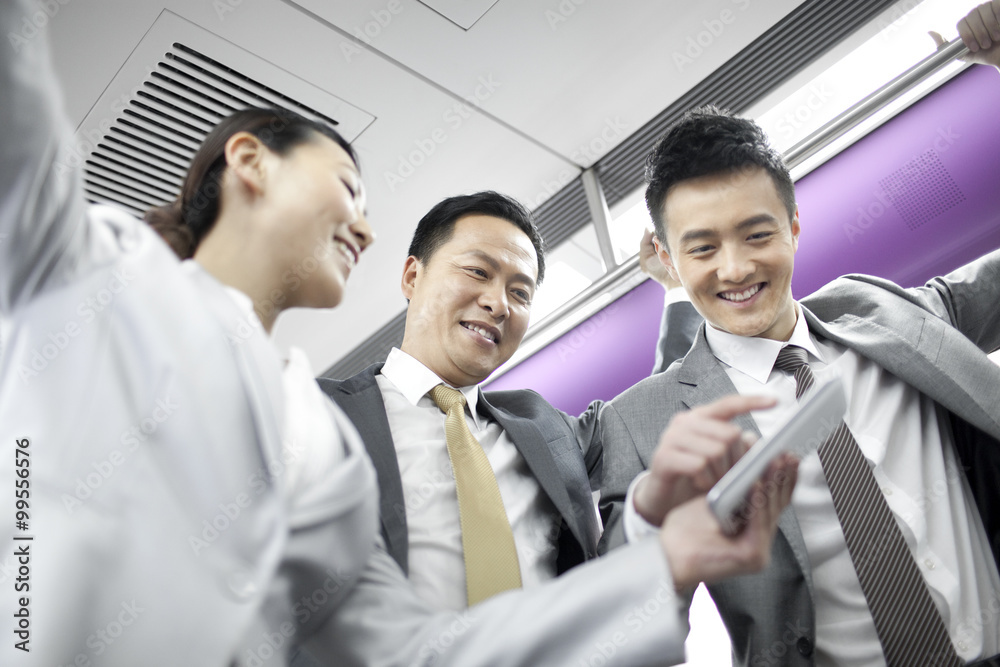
741, 296
346, 251
481, 331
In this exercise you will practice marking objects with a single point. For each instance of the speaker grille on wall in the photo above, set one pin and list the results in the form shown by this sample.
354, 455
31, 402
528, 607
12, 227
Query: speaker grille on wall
922, 189
141, 160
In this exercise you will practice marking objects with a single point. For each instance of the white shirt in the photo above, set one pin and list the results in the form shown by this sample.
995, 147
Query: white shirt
314, 427
437, 568
914, 463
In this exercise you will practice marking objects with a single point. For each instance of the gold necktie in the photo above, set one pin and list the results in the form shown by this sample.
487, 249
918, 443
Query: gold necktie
491, 565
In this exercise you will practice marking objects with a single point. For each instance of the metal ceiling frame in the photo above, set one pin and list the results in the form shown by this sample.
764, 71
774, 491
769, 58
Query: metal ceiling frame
793, 43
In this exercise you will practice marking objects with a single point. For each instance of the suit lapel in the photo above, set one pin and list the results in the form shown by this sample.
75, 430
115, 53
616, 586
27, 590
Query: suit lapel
532, 446
915, 346
361, 399
703, 379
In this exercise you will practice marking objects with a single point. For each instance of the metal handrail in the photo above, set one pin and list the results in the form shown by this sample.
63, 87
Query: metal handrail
627, 275
856, 114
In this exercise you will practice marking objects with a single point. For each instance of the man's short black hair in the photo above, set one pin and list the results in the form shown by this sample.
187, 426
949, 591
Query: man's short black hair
436, 228
710, 141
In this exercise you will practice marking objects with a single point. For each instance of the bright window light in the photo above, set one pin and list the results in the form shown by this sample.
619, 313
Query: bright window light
627, 228
902, 42
562, 283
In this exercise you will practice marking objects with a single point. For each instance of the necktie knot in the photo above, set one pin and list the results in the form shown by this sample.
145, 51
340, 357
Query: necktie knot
446, 398
791, 358
795, 360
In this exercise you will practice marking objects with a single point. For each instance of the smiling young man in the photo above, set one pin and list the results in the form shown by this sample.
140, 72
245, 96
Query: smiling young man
865, 571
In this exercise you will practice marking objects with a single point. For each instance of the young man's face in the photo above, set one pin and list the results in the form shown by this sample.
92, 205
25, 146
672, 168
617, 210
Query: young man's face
470, 302
732, 247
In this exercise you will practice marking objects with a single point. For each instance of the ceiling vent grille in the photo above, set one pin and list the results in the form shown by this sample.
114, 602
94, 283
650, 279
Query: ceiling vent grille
141, 161
177, 84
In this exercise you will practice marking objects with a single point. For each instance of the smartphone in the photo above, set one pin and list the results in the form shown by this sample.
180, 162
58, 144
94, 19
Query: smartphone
820, 411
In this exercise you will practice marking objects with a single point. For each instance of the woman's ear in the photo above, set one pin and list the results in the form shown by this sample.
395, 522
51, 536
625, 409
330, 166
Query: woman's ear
245, 155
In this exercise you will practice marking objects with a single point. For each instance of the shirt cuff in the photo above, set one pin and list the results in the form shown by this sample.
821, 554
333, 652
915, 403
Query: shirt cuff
636, 528
675, 295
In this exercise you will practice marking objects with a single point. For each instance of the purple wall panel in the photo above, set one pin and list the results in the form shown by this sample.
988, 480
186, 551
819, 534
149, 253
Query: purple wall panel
600, 358
914, 199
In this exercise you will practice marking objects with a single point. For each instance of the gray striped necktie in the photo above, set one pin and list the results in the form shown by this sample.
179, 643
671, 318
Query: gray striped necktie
908, 624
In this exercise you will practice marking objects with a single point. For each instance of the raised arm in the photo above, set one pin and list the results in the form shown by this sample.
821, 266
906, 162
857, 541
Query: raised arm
41, 202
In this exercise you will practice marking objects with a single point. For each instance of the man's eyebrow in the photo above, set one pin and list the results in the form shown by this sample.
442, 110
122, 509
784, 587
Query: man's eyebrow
696, 235
495, 265
756, 220
699, 234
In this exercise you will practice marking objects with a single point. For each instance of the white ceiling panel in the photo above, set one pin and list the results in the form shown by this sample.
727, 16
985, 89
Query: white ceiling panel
519, 102
578, 77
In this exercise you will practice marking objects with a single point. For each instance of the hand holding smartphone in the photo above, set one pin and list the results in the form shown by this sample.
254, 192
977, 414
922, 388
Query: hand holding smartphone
820, 412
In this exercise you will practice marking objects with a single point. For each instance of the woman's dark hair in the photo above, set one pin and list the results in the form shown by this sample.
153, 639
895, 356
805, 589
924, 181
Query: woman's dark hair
711, 141
436, 228
185, 222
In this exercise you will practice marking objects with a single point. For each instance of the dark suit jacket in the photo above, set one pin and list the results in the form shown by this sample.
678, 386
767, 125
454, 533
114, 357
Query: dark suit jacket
562, 452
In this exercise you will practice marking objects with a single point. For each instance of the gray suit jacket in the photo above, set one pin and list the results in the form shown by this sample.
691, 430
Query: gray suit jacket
934, 337
563, 453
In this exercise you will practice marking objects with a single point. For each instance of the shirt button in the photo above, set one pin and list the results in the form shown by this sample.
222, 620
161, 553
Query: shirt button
887, 491
962, 646
804, 647
929, 563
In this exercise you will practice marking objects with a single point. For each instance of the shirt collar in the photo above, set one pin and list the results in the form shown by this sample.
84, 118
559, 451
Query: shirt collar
753, 356
414, 380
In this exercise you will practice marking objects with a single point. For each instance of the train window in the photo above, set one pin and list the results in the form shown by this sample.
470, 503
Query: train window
862, 64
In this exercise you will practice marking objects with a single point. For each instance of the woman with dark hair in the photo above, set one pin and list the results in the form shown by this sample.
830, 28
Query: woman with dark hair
183, 497
163, 449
